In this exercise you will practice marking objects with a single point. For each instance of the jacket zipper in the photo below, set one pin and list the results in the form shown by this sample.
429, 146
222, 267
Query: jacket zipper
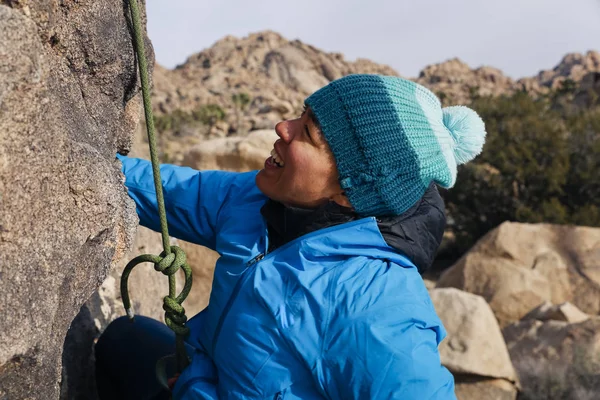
251, 265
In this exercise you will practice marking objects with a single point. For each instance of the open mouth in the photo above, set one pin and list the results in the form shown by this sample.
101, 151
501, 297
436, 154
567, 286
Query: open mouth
277, 160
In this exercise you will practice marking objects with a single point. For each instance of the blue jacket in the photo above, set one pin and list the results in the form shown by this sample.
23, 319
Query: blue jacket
334, 314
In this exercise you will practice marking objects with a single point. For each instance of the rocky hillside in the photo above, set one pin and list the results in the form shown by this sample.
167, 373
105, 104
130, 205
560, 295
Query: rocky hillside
276, 73
240, 85
455, 82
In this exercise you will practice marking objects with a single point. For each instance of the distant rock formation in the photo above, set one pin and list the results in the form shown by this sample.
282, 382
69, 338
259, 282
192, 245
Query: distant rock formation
278, 74
455, 82
275, 73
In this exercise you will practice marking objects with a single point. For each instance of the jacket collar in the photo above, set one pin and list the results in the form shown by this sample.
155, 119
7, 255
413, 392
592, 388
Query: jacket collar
418, 232
287, 223
415, 234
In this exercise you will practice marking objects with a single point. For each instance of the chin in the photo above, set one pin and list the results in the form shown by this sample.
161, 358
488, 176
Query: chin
264, 187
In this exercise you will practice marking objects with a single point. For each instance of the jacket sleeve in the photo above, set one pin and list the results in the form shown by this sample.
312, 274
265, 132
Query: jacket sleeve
198, 381
193, 199
384, 355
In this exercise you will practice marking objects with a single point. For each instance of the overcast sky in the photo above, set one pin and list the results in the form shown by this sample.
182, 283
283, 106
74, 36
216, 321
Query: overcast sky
518, 36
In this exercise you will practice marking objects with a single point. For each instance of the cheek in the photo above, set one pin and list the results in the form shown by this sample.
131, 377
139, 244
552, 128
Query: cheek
316, 172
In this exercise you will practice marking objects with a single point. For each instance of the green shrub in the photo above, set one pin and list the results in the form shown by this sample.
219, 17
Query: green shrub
209, 114
539, 164
175, 122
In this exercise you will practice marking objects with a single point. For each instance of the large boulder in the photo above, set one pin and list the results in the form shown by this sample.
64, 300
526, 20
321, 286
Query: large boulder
516, 267
474, 344
474, 350
556, 359
67, 105
511, 290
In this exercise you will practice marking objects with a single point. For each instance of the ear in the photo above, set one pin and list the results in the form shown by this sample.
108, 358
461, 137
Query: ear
341, 199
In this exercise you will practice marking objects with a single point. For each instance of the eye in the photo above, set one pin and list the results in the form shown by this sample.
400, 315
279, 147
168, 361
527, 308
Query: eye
303, 110
308, 133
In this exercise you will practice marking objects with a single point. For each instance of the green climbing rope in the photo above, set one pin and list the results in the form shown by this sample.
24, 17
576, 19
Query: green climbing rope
172, 258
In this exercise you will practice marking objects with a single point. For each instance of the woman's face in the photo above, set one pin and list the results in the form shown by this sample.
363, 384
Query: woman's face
301, 171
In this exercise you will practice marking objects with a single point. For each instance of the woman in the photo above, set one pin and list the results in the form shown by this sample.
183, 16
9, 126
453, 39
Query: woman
317, 293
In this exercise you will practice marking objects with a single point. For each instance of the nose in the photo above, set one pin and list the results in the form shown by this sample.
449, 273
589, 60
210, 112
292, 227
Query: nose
283, 130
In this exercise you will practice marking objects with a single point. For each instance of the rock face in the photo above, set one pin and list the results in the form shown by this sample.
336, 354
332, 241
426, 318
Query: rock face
67, 104
146, 289
516, 267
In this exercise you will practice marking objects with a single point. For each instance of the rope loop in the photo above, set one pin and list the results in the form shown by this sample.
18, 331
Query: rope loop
168, 264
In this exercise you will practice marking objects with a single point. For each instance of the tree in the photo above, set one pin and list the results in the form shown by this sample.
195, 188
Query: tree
521, 173
582, 190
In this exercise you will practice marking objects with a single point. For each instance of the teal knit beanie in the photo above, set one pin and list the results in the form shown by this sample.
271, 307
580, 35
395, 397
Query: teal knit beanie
391, 138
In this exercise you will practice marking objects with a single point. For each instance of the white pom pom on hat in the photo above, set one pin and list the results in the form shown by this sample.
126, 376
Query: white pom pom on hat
468, 131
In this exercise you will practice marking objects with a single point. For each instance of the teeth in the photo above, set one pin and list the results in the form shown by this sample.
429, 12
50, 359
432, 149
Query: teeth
276, 158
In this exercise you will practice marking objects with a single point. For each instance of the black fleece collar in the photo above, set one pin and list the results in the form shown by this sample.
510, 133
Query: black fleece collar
417, 233
287, 223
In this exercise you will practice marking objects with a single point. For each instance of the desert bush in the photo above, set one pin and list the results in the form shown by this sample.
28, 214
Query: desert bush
540, 163
179, 121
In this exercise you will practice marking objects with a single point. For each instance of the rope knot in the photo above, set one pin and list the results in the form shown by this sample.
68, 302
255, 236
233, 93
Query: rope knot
170, 263
175, 316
